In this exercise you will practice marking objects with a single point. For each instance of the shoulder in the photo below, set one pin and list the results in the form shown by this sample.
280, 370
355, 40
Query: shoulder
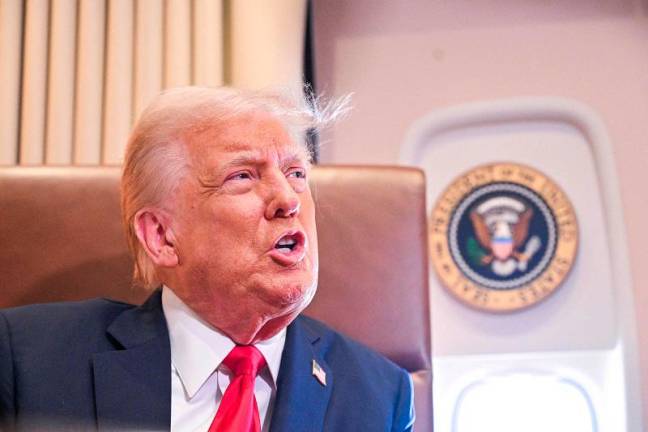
54, 323
362, 378
47, 314
353, 361
46, 357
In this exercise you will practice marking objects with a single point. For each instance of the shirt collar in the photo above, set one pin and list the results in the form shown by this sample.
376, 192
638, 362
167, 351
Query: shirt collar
197, 348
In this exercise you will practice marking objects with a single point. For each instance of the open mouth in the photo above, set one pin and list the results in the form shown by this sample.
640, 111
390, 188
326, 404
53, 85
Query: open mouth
290, 248
289, 242
286, 245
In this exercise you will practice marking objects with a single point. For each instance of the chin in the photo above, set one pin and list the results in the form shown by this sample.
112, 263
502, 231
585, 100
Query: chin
288, 296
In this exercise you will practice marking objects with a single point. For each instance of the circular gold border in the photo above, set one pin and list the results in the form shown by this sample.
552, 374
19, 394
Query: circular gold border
488, 299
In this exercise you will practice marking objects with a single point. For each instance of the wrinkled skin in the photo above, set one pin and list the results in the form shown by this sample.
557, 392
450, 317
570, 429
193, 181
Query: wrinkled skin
246, 186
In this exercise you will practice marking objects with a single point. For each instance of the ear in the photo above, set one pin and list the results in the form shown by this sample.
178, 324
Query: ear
156, 237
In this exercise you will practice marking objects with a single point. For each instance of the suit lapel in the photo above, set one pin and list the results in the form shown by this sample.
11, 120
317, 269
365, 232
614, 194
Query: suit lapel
301, 399
133, 385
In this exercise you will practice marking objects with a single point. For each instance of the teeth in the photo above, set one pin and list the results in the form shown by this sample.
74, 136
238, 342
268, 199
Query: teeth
284, 250
286, 242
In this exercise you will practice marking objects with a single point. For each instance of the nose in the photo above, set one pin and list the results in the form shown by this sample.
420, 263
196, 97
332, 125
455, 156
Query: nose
284, 201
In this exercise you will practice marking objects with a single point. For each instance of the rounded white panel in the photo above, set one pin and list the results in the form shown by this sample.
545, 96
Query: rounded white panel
587, 327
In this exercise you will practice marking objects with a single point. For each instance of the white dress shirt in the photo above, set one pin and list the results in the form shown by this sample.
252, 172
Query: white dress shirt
198, 380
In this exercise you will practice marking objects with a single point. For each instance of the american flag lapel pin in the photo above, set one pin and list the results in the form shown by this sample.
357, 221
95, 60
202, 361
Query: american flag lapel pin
319, 373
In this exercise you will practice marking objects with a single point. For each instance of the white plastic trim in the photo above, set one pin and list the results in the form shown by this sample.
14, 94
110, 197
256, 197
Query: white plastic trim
586, 120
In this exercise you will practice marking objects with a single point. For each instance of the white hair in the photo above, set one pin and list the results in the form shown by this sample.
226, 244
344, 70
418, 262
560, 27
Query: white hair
156, 156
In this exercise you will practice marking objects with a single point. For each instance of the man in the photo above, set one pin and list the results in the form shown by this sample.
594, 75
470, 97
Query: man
219, 214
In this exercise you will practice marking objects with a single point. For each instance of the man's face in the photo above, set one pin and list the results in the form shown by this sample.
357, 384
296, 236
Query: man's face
244, 228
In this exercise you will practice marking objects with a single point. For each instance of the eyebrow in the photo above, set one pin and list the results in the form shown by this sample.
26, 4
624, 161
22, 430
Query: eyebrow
253, 158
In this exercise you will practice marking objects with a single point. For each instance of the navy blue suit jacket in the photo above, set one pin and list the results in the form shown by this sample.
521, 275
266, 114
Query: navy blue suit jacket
106, 365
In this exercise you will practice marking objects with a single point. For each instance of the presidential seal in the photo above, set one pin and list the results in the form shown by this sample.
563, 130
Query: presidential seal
503, 237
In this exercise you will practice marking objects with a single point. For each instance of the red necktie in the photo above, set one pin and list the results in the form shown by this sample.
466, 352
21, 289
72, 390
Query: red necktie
238, 410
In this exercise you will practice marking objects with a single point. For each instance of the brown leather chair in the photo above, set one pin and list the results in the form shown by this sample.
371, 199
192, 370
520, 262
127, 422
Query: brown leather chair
61, 239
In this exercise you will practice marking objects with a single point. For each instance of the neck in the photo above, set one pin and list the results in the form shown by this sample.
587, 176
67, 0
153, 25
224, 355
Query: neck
255, 332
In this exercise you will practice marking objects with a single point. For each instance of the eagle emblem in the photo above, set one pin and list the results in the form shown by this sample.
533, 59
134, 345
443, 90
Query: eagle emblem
501, 228
503, 236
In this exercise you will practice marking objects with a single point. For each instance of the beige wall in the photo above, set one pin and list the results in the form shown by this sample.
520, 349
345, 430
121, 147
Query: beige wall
402, 59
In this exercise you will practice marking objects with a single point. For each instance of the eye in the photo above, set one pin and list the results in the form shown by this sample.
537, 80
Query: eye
298, 173
241, 175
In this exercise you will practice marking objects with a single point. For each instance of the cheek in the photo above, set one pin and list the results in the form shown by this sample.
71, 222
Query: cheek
230, 247
227, 225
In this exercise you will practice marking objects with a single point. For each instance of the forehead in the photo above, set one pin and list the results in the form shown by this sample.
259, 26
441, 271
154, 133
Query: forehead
255, 135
